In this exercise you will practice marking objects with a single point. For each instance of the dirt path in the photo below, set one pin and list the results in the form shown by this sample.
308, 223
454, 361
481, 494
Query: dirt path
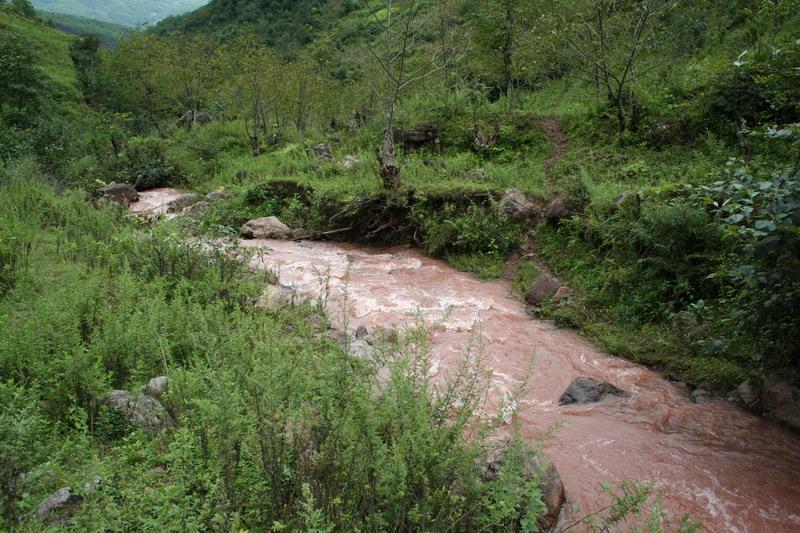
553, 130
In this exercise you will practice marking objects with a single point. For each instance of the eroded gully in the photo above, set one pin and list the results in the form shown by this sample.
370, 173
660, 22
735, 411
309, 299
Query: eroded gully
732, 470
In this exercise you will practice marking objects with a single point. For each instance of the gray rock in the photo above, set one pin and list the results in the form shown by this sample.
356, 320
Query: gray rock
563, 293
588, 390
140, 409
557, 210
121, 193
780, 400
518, 206
156, 386
93, 485
361, 332
275, 297
544, 288
59, 506
323, 152
266, 228
349, 161
748, 394
360, 348
214, 196
734, 398
182, 202
700, 396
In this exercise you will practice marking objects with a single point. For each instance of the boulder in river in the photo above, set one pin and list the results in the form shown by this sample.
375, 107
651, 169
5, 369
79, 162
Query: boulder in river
588, 390
140, 409
120, 193
518, 206
542, 289
266, 228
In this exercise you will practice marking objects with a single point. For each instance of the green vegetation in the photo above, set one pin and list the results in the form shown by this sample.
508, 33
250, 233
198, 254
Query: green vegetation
677, 228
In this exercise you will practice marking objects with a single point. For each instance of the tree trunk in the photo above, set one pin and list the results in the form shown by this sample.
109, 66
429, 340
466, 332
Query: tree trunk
508, 49
621, 116
390, 172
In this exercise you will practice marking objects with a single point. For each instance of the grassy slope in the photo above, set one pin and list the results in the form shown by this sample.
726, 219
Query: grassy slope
109, 33
53, 50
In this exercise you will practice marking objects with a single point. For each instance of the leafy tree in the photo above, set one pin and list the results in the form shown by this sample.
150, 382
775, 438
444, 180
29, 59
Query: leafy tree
85, 53
615, 44
21, 81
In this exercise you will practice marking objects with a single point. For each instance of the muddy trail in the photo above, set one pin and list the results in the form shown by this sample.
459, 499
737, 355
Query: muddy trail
733, 471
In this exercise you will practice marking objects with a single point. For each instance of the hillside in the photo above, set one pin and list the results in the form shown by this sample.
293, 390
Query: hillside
286, 25
109, 33
52, 48
120, 12
333, 265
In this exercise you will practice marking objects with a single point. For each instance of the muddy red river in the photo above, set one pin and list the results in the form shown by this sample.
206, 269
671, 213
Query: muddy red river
731, 470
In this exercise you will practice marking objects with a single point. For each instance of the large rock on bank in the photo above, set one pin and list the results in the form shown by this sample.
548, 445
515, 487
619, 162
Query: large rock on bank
120, 193
518, 206
266, 228
553, 494
544, 288
588, 390
140, 409
780, 400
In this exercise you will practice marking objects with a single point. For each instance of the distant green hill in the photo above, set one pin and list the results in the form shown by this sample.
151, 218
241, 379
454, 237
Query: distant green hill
124, 12
109, 33
284, 24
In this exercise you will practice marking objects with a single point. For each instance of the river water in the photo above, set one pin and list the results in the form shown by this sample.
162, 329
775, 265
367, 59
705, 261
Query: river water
733, 471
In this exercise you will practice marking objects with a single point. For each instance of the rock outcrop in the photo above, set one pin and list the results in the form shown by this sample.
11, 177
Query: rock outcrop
59, 507
156, 387
266, 228
518, 206
557, 210
121, 193
544, 288
588, 390
780, 400
140, 410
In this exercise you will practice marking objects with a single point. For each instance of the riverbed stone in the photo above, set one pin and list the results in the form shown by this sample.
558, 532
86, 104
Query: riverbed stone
120, 193
266, 228
544, 288
59, 507
780, 400
140, 409
588, 390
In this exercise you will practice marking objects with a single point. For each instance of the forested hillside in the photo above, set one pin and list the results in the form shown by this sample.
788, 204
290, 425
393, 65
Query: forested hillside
122, 12
631, 169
